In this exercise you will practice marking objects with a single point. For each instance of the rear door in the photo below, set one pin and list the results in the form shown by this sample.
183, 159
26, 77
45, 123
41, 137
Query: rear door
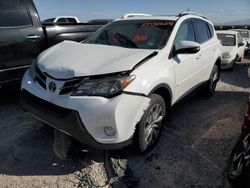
21, 38
207, 58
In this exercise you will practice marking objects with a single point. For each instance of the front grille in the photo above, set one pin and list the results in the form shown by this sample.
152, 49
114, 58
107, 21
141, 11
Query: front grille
70, 85
41, 78
45, 106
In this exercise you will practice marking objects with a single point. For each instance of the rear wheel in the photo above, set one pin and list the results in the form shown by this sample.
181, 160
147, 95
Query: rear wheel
238, 170
151, 124
212, 82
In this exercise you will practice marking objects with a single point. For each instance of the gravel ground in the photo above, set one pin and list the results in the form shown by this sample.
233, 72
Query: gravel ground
192, 152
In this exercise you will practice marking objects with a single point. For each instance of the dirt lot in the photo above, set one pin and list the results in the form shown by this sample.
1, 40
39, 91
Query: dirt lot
192, 151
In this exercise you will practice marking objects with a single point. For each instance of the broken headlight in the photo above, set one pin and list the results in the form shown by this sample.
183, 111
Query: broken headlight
105, 87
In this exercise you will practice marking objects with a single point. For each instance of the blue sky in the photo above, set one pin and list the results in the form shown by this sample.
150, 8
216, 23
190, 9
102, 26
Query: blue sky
219, 11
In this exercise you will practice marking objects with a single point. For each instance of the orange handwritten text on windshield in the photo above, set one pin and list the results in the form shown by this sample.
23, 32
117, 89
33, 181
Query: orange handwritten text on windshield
146, 24
138, 38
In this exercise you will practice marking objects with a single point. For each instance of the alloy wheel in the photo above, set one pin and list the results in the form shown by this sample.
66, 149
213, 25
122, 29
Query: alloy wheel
153, 124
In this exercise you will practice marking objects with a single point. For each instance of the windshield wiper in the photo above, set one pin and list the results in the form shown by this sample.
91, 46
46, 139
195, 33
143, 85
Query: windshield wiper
123, 40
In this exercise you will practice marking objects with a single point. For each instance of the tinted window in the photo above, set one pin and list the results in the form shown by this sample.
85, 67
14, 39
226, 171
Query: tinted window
143, 34
62, 20
227, 39
13, 13
185, 32
244, 34
51, 20
201, 31
71, 20
211, 29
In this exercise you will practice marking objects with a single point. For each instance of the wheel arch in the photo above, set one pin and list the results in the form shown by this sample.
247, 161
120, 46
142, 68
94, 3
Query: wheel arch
164, 91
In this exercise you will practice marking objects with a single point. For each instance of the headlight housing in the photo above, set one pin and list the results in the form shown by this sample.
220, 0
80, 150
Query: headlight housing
105, 87
32, 69
226, 55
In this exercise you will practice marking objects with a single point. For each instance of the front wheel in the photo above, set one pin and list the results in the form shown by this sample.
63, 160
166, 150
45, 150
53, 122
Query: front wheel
212, 82
151, 124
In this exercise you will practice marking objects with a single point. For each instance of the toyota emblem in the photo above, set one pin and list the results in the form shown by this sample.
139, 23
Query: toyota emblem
52, 86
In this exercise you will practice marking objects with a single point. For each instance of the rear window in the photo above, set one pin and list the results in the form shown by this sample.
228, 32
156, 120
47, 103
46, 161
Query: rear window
13, 13
227, 39
142, 34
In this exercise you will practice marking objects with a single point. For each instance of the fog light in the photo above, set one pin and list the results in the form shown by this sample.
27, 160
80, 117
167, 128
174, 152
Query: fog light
110, 131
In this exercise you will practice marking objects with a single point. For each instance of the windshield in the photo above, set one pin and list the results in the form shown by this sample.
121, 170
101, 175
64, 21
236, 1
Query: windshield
227, 39
244, 34
142, 34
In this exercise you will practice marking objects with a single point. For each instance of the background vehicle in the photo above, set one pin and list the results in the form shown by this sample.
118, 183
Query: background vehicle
145, 64
245, 34
233, 48
23, 37
62, 19
238, 170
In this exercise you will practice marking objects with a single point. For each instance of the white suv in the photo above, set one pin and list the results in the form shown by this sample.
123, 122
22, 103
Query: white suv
120, 83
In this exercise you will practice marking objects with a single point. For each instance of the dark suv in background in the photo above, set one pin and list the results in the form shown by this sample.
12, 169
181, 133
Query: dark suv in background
23, 37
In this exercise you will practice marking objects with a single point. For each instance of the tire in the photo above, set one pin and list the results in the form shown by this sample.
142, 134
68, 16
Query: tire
238, 168
61, 144
210, 86
151, 124
233, 65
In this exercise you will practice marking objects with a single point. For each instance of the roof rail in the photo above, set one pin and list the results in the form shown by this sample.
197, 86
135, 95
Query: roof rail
191, 13
134, 15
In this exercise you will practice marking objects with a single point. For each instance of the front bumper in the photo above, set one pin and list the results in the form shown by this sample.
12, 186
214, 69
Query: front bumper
86, 117
63, 119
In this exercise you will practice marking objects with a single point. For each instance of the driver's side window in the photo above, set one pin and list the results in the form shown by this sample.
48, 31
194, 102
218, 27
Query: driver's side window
185, 32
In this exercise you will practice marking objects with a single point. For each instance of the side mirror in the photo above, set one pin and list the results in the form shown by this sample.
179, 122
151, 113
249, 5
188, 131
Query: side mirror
187, 47
241, 44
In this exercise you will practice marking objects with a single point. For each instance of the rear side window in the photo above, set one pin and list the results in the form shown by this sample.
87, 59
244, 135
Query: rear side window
211, 29
201, 31
13, 13
62, 20
71, 20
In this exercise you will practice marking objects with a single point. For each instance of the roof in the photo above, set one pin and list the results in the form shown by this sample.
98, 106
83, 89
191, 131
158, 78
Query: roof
140, 16
171, 18
227, 32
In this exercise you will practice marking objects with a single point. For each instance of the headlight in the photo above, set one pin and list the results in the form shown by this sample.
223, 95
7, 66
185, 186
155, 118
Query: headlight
106, 87
32, 69
226, 55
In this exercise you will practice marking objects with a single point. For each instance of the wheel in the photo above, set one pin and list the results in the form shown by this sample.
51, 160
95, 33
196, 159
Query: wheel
61, 144
238, 169
212, 82
151, 124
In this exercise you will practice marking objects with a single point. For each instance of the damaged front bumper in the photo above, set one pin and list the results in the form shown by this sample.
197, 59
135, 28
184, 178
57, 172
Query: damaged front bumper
86, 118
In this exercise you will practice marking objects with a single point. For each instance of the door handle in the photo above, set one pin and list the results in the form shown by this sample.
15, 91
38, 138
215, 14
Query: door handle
32, 37
198, 57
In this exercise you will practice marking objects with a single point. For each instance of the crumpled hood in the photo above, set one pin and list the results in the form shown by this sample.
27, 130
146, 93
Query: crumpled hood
71, 59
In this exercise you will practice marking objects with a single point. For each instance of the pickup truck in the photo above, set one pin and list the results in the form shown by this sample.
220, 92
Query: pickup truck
23, 37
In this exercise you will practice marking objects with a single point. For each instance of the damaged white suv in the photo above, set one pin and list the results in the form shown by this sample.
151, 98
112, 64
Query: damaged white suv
120, 83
